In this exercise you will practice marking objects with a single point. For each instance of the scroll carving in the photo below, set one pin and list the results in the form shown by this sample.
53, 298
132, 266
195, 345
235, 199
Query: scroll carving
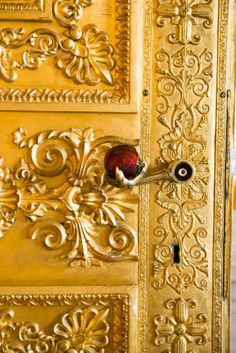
185, 14
83, 54
97, 323
90, 209
178, 331
184, 78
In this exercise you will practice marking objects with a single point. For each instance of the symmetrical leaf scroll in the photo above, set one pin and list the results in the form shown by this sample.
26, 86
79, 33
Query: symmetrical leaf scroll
92, 324
184, 78
92, 212
82, 52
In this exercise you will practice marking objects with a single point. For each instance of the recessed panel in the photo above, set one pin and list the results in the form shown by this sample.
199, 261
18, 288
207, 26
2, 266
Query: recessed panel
84, 59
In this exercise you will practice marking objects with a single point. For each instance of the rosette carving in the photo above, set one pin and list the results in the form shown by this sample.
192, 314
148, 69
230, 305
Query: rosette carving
92, 212
178, 331
185, 14
184, 78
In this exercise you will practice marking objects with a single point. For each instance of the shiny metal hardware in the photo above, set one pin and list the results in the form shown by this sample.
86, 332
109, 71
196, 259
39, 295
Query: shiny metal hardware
181, 171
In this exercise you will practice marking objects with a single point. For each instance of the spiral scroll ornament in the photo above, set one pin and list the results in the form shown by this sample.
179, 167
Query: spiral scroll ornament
93, 213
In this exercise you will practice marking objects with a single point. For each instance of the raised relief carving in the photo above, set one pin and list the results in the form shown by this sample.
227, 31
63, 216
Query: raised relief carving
95, 323
92, 227
183, 78
179, 331
83, 55
37, 10
184, 14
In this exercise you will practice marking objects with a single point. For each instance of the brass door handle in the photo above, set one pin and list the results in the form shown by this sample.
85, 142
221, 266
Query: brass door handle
124, 168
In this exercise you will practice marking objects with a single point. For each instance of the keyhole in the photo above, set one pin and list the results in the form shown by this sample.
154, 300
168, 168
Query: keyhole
176, 256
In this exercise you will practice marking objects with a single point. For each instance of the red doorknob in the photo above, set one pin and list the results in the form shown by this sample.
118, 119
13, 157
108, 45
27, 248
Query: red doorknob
126, 158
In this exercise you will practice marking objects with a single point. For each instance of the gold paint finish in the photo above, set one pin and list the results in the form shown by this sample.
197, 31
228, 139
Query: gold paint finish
89, 267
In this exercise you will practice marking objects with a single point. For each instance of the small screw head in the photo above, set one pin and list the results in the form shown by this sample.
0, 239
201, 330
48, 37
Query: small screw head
222, 95
145, 93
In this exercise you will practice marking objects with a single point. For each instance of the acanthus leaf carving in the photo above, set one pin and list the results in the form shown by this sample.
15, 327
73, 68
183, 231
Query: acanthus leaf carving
84, 55
185, 14
92, 323
179, 330
184, 77
88, 206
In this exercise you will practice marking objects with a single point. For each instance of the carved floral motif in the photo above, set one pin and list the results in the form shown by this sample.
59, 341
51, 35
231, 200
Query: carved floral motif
185, 14
179, 330
83, 55
184, 78
92, 211
95, 324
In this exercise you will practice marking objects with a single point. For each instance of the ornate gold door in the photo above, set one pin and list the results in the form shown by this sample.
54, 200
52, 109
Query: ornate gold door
93, 266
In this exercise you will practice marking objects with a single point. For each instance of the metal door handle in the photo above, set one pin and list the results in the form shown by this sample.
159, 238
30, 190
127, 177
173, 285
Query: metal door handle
124, 168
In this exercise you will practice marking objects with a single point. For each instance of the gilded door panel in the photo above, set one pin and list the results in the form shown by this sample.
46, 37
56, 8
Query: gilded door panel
59, 321
88, 53
59, 217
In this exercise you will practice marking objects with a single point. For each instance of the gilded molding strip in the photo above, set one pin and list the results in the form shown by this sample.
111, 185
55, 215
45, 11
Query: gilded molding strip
144, 229
93, 211
26, 10
34, 5
178, 331
183, 78
93, 323
219, 196
83, 55
185, 14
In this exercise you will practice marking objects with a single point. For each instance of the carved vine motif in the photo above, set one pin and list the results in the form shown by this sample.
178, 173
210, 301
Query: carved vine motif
92, 211
84, 55
184, 78
179, 330
93, 325
185, 14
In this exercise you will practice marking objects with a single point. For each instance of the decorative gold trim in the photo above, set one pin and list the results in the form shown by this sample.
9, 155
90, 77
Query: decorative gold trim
28, 10
219, 196
183, 78
180, 330
43, 43
109, 312
144, 229
34, 5
185, 15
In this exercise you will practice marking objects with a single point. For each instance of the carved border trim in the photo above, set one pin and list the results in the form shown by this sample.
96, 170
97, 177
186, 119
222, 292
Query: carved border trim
58, 299
220, 150
119, 302
33, 10
34, 5
144, 190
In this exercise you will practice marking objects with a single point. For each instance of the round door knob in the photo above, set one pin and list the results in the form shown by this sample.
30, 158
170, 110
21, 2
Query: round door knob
126, 158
